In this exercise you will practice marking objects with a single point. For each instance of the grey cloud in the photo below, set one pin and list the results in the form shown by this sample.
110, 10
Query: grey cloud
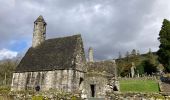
109, 26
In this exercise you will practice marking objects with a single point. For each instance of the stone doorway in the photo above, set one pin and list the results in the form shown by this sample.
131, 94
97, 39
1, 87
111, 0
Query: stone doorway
93, 90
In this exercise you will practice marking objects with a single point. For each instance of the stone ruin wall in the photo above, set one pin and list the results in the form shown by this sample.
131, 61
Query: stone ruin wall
80, 56
100, 85
64, 80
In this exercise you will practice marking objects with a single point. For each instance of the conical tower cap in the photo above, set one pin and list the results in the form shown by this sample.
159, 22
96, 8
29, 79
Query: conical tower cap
40, 19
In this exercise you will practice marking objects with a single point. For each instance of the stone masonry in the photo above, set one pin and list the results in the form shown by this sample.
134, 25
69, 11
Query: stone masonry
60, 64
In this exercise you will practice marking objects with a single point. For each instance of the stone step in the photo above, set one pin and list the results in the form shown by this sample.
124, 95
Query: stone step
165, 87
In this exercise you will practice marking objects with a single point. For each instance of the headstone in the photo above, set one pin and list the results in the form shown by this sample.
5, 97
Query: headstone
138, 73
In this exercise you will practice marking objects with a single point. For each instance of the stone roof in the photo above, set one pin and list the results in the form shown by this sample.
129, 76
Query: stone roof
107, 67
40, 19
58, 53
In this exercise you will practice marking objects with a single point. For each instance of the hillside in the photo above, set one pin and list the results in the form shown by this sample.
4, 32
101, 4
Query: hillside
144, 63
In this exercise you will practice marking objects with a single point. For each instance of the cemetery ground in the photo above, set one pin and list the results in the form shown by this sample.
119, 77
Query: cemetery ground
129, 87
139, 85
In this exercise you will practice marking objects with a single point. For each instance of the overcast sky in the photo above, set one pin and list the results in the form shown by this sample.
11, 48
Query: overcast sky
109, 26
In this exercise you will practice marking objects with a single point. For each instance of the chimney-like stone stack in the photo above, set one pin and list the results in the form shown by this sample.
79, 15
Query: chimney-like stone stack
90, 52
39, 33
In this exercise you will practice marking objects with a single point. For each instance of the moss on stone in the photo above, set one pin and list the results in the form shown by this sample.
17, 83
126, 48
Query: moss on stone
38, 98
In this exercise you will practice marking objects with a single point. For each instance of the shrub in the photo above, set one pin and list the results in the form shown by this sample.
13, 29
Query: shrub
4, 89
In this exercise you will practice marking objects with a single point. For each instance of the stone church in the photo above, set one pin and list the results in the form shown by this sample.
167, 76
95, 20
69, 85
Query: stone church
60, 64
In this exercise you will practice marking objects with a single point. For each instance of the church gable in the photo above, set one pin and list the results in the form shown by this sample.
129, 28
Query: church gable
80, 59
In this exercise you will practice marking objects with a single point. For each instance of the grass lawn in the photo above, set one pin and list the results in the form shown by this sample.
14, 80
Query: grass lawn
130, 85
37, 98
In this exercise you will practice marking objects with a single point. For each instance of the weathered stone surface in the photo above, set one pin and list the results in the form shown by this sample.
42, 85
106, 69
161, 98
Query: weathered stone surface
63, 80
39, 33
54, 54
90, 54
99, 85
60, 64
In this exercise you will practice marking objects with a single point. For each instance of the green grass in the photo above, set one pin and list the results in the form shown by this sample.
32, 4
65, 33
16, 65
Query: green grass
4, 90
131, 85
37, 98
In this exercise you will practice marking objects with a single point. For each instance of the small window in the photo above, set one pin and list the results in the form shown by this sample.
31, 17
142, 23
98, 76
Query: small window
81, 80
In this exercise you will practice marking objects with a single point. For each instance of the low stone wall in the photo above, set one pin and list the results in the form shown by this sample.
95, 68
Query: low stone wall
48, 95
136, 96
139, 78
69, 96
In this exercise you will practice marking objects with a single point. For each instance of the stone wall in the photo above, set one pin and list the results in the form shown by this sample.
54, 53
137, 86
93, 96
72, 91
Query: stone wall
80, 56
63, 80
136, 96
71, 96
100, 86
164, 84
139, 78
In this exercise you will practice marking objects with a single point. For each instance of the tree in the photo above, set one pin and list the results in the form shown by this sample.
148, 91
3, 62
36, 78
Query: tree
133, 53
7, 68
149, 68
127, 55
164, 48
151, 58
140, 68
120, 55
150, 64
138, 53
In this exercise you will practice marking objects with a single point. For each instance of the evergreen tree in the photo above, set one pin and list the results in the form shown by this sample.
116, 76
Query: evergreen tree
151, 58
127, 55
138, 53
164, 48
150, 63
120, 55
140, 68
133, 53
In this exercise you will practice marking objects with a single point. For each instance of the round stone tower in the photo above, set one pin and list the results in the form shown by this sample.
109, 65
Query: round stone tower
91, 54
39, 33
